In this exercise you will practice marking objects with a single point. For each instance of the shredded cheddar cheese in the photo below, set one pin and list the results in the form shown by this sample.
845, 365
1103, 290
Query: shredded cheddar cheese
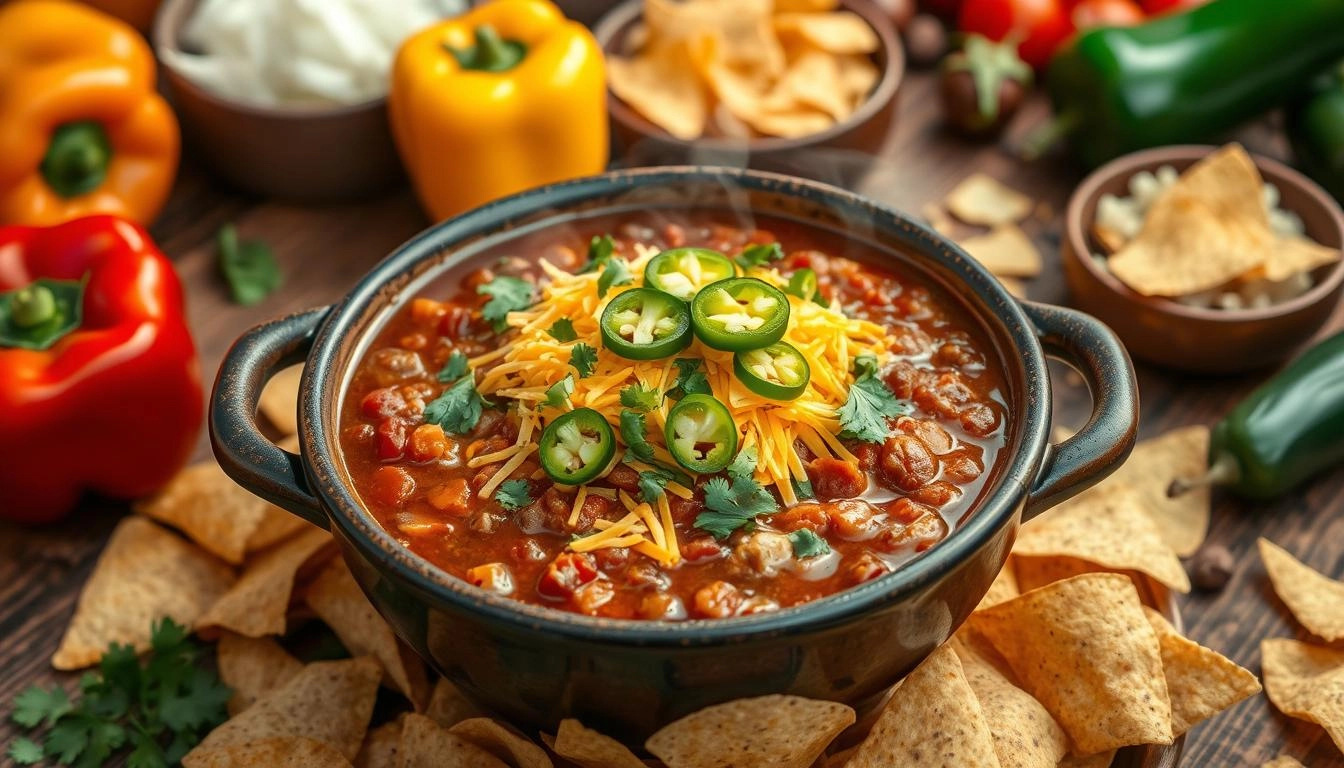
534, 361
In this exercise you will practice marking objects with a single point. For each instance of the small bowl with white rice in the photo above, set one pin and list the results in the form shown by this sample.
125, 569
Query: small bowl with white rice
288, 98
1243, 324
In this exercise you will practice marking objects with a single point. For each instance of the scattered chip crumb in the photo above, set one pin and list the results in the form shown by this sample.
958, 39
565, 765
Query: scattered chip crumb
983, 200
1006, 251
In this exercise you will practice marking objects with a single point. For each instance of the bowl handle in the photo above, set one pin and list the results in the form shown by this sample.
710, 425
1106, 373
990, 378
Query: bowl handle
246, 455
1102, 445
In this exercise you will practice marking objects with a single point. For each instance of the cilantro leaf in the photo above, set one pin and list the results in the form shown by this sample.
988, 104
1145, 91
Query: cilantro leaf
563, 330
690, 379
634, 433
600, 250
807, 543
803, 489
148, 753
584, 359
514, 494
34, 705
639, 397
455, 368
25, 751
507, 294
729, 507
458, 409
558, 393
869, 404
616, 272
248, 266
744, 464
653, 482
197, 701
759, 255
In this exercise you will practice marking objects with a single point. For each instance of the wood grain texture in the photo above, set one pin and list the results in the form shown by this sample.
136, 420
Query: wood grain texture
324, 250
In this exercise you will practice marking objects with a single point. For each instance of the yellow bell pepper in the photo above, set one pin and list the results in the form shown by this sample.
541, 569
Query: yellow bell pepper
82, 130
507, 97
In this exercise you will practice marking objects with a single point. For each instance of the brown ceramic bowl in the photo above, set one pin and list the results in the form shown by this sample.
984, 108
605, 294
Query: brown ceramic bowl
300, 154
640, 142
1194, 339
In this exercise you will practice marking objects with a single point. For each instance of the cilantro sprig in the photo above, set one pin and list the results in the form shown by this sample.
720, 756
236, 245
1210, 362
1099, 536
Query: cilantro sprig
653, 482
454, 368
514, 494
806, 543
584, 359
759, 255
458, 409
690, 379
558, 393
616, 272
600, 250
159, 708
635, 434
735, 502
639, 397
562, 330
507, 294
869, 405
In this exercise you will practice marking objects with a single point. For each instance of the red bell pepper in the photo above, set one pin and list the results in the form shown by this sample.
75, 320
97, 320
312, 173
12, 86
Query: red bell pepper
99, 384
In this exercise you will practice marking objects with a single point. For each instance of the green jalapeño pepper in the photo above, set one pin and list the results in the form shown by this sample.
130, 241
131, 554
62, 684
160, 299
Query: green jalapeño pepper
682, 272
701, 434
778, 371
1316, 127
1286, 431
644, 324
740, 313
577, 447
803, 284
1187, 77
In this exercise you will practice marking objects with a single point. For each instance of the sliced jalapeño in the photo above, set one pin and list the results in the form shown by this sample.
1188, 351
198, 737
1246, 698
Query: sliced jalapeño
576, 447
740, 313
644, 324
682, 272
802, 283
778, 371
701, 434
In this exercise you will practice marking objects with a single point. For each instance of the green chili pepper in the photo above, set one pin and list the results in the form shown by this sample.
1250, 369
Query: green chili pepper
1289, 429
701, 434
576, 447
682, 272
778, 372
1316, 128
1186, 77
644, 324
740, 313
803, 284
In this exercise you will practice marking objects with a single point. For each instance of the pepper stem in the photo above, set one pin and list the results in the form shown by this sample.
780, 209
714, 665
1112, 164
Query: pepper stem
1040, 140
1223, 471
491, 53
32, 306
77, 158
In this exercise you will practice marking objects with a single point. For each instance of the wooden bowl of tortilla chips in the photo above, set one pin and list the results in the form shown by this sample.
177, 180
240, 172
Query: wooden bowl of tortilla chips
1174, 292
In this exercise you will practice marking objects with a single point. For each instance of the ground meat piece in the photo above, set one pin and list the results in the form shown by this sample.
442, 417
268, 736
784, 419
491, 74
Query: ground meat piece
836, 479
866, 568
953, 355
904, 377
555, 508
527, 551
492, 424
867, 454
939, 493
485, 520
945, 395
661, 605
684, 511
717, 600
645, 574
391, 365
611, 558
853, 519
906, 463
961, 468
979, 419
906, 511
624, 477
805, 514
483, 475
764, 553
382, 403
938, 440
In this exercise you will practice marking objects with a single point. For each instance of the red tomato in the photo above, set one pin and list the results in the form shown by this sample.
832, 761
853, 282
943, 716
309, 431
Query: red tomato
1155, 7
1106, 13
1042, 25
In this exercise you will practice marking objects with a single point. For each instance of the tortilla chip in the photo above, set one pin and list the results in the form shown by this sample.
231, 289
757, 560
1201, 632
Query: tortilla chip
1006, 251
1306, 682
216, 513
257, 604
502, 742
339, 602
662, 86
252, 667
938, 219
933, 719
281, 752
380, 746
328, 701
1200, 682
144, 574
587, 748
1003, 588
843, 32
1024, 733
279, 401
1036, 572
1085, 650
985, 201
447, 706
1283, 761
1182, 521
426, 744
814, 81
858, 76
1293, 255
1107, 527
1316, 600
783, 731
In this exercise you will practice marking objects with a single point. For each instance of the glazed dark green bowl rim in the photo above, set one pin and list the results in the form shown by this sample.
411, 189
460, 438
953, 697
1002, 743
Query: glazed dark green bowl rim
322, 385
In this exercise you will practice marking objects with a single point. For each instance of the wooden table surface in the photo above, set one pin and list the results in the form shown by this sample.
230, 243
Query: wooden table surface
324, 250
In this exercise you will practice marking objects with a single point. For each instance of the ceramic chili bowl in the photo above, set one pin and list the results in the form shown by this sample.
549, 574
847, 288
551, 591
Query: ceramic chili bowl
536, 665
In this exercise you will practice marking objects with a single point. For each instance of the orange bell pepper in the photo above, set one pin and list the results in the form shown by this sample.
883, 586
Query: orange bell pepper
82, 129
506, 97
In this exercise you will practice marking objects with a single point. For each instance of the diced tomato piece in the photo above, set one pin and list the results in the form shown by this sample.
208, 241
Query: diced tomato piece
453, 497
456, 321
391, 486
382, 403
702, 548
566, 573
392, 435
